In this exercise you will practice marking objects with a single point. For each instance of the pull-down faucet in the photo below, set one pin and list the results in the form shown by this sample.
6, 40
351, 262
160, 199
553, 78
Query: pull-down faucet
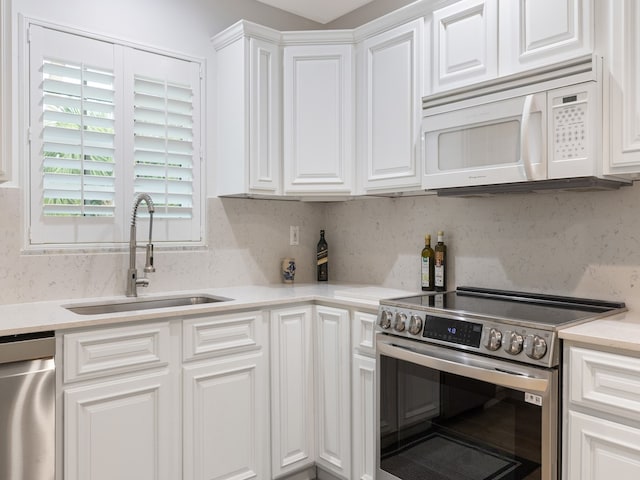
132, 277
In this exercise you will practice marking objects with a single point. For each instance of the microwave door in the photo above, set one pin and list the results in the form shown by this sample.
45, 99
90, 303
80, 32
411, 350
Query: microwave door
486, 144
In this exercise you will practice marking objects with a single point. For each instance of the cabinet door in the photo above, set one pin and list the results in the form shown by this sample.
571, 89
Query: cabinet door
226, 418
122, 428
624, 57
536, 33
248, 110
263, 136
601, 450
390, 108
363, 333
292, 399
333, 390
465, 44
364, 434
318, 119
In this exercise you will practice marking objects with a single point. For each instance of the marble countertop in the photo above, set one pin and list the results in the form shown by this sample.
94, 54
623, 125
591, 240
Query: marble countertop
621, 331
52, 315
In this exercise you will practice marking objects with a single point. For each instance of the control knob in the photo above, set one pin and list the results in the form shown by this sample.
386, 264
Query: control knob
494, 340
385, 319
535, 346
415, 324
512, 342
401, 322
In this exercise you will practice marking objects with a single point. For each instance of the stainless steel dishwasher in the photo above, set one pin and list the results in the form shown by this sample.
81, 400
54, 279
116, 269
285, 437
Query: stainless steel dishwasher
27, 407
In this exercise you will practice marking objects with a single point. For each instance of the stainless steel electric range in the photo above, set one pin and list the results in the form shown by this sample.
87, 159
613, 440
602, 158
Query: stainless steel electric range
468, 383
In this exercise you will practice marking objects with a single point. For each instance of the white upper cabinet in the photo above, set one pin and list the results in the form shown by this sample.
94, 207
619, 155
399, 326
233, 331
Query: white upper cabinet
535, 33
624, 82
248, 78
465, 44
483, 40
318, 118
390, 76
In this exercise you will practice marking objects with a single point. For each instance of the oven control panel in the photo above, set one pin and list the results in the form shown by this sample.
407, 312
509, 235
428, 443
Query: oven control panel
495, 339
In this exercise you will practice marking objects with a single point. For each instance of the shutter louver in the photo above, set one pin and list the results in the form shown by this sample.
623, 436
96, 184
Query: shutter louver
163, 145
78, 140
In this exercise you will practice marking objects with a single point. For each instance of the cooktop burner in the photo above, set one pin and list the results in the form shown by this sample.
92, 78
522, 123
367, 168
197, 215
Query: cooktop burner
517, 307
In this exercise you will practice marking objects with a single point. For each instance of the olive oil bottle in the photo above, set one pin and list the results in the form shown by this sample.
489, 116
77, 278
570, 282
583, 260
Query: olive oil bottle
427, 272
440, 265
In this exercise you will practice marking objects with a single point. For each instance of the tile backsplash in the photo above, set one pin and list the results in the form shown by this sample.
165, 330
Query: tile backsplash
246, 241
582, 244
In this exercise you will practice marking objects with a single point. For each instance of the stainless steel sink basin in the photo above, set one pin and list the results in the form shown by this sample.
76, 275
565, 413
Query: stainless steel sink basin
135, 304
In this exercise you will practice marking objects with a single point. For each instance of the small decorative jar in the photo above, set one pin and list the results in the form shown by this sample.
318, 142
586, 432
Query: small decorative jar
288, 269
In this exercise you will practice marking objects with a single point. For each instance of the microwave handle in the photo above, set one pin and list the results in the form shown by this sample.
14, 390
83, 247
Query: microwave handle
532, 145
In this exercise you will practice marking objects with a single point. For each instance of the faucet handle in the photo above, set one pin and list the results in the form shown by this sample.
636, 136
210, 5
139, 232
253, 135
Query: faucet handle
148, 266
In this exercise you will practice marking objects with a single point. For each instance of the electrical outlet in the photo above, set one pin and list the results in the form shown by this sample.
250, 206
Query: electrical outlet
294, 235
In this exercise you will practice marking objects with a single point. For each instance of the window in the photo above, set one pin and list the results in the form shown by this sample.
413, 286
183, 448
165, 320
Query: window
108, 121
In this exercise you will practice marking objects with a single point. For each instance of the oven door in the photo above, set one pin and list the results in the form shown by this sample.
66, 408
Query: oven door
446, 414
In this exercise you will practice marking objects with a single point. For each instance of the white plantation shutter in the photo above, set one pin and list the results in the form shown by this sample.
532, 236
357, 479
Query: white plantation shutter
163, 145
78, 140
108, 121
164, 95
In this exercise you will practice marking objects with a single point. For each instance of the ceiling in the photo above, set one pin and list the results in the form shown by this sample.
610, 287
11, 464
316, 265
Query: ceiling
321, 11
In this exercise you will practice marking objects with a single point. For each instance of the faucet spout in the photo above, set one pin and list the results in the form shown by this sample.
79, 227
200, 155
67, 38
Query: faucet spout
132, 276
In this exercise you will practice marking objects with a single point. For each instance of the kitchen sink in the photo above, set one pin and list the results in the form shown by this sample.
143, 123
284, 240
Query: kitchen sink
135, 304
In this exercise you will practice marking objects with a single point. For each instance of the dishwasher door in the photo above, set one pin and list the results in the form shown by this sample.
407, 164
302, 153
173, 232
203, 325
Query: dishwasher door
27, 409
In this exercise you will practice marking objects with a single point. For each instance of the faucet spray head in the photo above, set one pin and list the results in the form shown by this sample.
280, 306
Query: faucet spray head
148, 266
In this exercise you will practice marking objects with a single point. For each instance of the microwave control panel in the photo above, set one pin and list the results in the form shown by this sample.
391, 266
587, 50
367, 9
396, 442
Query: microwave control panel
570, 126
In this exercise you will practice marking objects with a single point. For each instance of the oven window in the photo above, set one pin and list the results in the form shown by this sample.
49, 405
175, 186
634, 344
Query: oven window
436, 425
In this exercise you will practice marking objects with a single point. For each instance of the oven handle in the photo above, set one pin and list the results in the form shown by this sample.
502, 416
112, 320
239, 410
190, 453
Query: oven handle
479, 369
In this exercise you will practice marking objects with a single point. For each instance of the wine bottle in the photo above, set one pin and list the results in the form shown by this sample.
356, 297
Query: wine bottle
323, 259
440, 266
427, 264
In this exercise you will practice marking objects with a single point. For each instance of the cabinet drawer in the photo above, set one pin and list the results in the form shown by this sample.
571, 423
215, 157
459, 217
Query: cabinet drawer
222, 334
604, 381
107, 351
363, 332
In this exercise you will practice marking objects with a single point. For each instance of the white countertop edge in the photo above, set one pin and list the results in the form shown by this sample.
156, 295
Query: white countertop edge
51, 315
621, 331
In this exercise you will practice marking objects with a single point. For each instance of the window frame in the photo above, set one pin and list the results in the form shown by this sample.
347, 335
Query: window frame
118, 230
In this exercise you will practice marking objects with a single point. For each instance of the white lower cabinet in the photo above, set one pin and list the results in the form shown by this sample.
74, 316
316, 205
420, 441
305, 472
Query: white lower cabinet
363, 396
121, 428
120, 425
602, 415
292, 390
226, 397
363, 400
244, 395
333, 385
